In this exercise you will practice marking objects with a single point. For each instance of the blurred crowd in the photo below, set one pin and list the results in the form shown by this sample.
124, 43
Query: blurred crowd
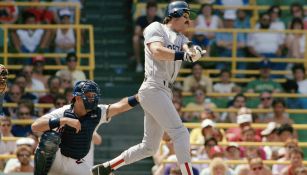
32, 84
264, 45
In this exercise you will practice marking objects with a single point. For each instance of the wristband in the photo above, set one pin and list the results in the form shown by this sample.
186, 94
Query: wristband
54, 122
132, 101
179, 55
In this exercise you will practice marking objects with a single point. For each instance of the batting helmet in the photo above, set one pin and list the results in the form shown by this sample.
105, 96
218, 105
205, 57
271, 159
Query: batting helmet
82, 87
176, 9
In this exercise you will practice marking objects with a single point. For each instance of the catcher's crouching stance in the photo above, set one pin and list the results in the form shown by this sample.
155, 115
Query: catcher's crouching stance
65, 143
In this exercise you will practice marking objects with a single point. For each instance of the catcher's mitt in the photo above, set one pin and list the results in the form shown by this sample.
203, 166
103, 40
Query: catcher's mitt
3, 78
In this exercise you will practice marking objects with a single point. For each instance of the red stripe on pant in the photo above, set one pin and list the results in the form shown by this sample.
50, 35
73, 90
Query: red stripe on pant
117, 163
187, 168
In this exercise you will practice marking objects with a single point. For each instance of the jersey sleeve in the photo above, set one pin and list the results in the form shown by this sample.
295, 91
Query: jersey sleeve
104, 118
154, 33
58, 113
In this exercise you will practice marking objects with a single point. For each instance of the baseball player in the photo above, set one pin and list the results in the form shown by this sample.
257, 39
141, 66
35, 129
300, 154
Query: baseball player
68, 131
165, 49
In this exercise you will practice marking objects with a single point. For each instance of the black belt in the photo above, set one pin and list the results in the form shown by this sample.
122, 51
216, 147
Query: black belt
165, 83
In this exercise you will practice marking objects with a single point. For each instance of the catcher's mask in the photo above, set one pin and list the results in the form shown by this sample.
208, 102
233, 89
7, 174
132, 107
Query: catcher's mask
82, 87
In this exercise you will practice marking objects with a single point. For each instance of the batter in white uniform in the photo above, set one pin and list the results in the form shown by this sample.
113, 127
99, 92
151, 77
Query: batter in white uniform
165, 49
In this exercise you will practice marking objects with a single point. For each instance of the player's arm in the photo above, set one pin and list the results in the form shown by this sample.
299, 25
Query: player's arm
160, 52
49, 122
123, 105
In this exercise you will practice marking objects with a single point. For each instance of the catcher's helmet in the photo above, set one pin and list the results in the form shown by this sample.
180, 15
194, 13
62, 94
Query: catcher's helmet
82, 87
176, 9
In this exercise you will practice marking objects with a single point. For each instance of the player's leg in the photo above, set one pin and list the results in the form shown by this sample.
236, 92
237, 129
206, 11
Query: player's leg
164, 112
149, 146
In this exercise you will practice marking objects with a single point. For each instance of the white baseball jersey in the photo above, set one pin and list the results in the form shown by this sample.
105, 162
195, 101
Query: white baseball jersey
155, 97
166, 70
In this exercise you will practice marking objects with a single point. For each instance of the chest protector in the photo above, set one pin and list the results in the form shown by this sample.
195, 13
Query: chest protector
77, 145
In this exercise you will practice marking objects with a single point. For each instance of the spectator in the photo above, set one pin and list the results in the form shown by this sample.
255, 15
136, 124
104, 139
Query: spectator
238, 102
275, 15
299, 73
167, 150
29, 40
266, 101
25, 111
204, 152
141, 23
235, 134
279, 115
266, 44
54, 84
197, 80
295, 42
296, 10
68, 94
285, 132
242, 22
200, 102
296, 161
249, 135
256, 167
294, 102
66, 80
38, 69
59, 101
32, 83
225, 85
269, 134
217, 167
13, 162
233, 152
14, 96
23, 154
57, 9
65, 39
20, 80
42, 14
198, 135
205, 20
264, 83
284, 155
225, 41
6, 147
71, 61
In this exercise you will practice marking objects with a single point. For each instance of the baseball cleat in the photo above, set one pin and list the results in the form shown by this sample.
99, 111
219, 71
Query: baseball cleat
101, 170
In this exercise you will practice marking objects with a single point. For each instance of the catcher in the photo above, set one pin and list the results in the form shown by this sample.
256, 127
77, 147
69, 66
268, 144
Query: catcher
65, 143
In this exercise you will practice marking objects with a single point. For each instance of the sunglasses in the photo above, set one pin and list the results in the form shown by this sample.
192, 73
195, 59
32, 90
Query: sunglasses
3, 125
265, 98
24, 113
23, 155
257, 168
4, 73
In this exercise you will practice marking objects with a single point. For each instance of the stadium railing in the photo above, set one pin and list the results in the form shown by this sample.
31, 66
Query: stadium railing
90, 56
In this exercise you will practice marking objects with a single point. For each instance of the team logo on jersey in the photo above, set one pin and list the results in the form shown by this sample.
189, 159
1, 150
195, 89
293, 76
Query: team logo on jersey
94, 116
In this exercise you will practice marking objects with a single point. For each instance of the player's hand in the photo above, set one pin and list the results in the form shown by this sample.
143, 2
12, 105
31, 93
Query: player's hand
194, 54
74, 123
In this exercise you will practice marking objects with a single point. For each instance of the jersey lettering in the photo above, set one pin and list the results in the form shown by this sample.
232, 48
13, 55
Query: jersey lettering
173, 47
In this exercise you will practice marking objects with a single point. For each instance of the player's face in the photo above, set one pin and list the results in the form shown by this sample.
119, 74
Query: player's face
182, 23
